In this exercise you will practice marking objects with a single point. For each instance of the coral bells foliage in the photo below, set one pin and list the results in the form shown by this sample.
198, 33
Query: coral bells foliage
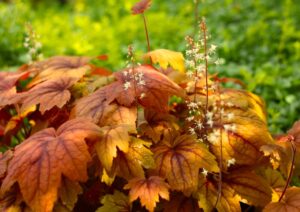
157, 136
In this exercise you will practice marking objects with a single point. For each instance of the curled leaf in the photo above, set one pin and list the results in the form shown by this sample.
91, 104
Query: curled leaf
167, 58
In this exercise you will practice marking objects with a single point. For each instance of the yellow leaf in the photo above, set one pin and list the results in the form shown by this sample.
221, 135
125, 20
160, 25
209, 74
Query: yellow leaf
117, 202
167, 58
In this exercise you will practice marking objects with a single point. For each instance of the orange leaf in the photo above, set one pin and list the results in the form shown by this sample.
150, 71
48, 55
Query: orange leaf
250, 187
289, 203
59, 66
4, 160
151, 90
8, 91
106, 147
41, 160
148, 190
117, 202
166, 57
179, 161
131, 163
48, 94
140, 7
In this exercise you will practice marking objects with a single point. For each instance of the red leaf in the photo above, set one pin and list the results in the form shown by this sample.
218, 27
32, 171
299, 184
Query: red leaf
140, 7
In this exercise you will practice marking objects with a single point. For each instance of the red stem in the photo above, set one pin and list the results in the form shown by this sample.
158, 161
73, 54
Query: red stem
146, 31
293, 147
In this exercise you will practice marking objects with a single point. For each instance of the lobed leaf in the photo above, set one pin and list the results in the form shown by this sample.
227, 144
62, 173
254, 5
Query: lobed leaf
290, 202
116, 202
41, 160
179, 161
148, 190
48, 94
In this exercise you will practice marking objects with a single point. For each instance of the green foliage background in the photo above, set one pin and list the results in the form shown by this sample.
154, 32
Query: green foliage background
259, 39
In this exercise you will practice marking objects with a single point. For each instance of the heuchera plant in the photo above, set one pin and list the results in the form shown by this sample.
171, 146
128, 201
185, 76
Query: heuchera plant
159, 136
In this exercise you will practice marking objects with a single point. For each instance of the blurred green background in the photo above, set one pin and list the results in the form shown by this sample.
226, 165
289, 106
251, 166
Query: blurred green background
259, 39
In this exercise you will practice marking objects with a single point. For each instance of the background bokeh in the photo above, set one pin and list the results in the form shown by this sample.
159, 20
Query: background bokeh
259, 39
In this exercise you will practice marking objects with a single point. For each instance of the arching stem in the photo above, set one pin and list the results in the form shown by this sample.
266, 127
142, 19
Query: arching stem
293, 147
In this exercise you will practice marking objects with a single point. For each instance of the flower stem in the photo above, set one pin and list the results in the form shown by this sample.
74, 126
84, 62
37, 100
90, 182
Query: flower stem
293, 147
146, 31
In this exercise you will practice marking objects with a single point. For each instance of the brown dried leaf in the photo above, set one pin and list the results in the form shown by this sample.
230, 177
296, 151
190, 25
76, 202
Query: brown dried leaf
41, 160
140, 7
4, 160
181, 203
148, 190
48, 94
179, 161
289, 203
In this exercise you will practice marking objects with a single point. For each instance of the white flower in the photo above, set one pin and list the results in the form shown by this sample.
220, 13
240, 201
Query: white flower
142, 95
127, 85
229, 127
212, 48
231, 162
191, 118
213, 137
210, 122
189, 74
192, 131
230, 116
209, 115
204, 172
199, 124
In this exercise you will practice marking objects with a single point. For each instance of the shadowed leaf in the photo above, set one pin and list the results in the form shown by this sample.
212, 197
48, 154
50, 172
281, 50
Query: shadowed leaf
117, 202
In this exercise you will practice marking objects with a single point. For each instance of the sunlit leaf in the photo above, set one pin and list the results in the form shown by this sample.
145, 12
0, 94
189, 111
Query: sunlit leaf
68, 192
41, 160
117, 202
113, 138
167, 58
289, 203
148, 191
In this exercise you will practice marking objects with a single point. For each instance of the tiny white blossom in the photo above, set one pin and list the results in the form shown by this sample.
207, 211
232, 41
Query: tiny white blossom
204, 172
210, 122
212, 48
231, 162
213, 137
229, 127
141, 82
191, 118
209, 115
192, 131
127, 85
189, 74
142, 95
230, 116
199, 124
